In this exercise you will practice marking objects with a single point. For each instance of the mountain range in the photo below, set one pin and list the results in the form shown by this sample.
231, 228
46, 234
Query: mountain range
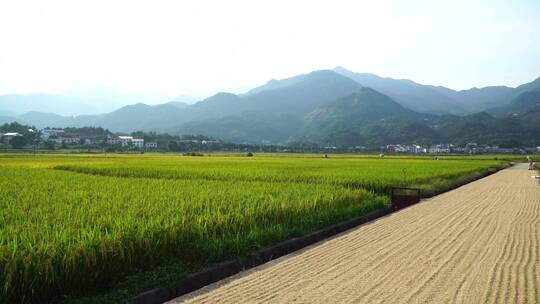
83, 100
334, 107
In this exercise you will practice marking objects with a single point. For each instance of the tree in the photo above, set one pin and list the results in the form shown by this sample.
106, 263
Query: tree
173, 146
49, 145
18, 142
27, 131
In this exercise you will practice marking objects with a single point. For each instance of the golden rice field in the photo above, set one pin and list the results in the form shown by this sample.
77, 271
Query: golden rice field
71, 225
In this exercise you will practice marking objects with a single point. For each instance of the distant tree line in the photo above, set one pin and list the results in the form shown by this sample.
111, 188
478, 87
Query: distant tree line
28, 135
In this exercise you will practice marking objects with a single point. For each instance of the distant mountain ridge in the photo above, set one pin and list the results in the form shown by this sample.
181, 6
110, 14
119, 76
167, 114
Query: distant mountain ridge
279, 110
433, 99
337, 107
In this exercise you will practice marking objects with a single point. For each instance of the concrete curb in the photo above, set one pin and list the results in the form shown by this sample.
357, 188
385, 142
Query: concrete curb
226, 269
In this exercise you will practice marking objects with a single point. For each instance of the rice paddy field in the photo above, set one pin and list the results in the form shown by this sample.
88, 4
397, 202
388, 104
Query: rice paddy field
75, 225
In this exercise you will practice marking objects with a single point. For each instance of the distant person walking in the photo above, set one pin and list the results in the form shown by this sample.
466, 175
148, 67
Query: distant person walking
531, 163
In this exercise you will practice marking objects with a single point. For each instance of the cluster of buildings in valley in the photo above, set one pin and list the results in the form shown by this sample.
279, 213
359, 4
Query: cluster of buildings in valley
469, 148
61, 137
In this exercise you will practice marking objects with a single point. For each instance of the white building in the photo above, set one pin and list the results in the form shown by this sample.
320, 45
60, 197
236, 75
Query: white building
443, 148
137, 142
415, 149
46, 133
126, 141
6, 137
65, 139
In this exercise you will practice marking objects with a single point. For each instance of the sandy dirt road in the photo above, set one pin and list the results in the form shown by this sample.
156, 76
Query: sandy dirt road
477, 244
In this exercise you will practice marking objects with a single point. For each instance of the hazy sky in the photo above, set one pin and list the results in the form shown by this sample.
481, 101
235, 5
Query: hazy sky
178, 47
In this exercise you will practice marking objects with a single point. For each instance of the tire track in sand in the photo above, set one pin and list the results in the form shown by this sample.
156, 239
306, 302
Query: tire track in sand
476, 244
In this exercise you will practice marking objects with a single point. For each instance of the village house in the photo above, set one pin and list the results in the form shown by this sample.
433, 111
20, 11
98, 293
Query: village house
60, 136
137, 142
47, 133
393, 149
125, 141
206, 142
416, 149
6, 137
64, 138
442, 148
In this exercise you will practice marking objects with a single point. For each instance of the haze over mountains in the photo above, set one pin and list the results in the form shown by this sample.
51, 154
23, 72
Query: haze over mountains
328, 107
433, 99
83, 100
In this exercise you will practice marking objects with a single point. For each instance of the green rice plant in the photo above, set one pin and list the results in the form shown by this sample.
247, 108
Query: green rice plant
377, 175
66, 233
72, 225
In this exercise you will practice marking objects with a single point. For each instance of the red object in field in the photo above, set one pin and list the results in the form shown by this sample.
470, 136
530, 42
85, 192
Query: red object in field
391, 150
404, 197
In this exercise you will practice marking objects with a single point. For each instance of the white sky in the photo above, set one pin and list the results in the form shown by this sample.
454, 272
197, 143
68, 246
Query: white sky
178, 47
